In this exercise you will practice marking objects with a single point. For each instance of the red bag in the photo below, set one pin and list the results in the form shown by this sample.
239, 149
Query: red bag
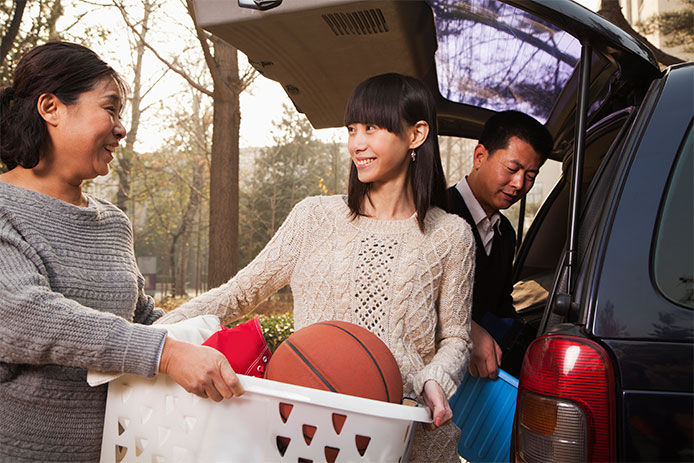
244, 347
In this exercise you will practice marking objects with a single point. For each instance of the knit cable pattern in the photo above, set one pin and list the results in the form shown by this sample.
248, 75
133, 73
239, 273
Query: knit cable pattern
412, 289
69, 290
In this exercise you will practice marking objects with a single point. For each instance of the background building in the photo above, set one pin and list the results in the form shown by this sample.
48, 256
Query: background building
639, 12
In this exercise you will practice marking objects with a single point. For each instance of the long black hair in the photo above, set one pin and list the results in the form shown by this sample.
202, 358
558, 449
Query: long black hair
64, 69
394, 102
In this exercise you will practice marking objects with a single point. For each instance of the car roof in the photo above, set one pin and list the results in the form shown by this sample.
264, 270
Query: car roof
320, 49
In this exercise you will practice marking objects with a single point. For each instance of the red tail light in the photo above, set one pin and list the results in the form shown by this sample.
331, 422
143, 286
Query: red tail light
566, 407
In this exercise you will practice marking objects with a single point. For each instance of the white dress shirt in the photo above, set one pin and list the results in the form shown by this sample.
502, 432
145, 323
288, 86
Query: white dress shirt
485, 225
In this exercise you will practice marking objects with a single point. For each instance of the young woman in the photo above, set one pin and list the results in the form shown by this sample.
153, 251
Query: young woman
386, 257
71, 296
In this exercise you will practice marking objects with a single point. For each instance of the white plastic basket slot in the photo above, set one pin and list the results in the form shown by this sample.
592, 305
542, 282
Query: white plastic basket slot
155, 420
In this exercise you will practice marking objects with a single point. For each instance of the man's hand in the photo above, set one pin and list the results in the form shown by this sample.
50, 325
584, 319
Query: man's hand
200, 370
435, 399
485, 358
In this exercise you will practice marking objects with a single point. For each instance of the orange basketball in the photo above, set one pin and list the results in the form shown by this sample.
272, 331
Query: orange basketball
340, 357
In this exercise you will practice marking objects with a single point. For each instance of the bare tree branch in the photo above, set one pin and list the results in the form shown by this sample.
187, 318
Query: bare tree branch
12, 31
78, 19
204, 43
168, 64
204, 37
153, 85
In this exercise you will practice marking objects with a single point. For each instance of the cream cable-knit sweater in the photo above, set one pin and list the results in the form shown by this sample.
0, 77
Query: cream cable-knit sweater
412, 289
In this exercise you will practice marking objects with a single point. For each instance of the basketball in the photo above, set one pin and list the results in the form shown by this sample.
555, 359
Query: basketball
340, 357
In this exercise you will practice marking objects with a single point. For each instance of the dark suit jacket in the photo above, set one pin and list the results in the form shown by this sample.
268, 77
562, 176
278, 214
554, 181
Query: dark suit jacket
493, 278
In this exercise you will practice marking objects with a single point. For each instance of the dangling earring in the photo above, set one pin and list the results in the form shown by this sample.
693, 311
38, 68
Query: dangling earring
413, 155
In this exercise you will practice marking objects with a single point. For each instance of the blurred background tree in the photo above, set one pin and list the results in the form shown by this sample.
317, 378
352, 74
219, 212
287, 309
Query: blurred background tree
297, 166
677, 26
23, 25
612, 11
227, 84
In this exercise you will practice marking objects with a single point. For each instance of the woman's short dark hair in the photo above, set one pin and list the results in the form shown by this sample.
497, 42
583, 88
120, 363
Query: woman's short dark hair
499, 129
61, 68
394, 102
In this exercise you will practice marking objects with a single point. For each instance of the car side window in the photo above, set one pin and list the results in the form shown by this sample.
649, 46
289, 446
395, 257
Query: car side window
673, 259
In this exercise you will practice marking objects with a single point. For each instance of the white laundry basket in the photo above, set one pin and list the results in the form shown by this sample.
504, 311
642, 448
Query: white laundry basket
155, 420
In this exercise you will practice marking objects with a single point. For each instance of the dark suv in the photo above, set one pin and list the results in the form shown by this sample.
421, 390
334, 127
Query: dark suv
605, 272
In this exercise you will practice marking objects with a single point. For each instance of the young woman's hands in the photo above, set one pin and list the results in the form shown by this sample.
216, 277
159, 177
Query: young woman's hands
200, 370
436, 400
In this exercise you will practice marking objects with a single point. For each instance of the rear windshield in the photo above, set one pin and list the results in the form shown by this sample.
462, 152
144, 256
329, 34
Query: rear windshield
500, 57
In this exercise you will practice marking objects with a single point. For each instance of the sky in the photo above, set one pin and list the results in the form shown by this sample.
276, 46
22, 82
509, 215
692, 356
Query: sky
262, 105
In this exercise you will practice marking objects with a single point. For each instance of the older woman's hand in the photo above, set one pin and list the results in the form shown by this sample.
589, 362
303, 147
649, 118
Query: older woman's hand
200, 370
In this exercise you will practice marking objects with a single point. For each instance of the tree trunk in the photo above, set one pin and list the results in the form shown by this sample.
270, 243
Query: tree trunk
164, 259
182, 264
445, 148
612, 11
13, 29
52, 20
335, 151
198, 252
124, 165
172, 264
180, 243
224, 168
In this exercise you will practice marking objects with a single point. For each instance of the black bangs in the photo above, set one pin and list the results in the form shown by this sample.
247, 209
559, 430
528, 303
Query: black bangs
395, 102
373, 101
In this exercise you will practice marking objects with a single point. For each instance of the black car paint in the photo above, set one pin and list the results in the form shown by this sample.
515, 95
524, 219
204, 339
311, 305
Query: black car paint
648, 337
652, 346
626, 286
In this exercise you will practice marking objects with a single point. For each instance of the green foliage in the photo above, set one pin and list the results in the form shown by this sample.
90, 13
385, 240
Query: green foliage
276, 327
297, 166
677, 26
38, 25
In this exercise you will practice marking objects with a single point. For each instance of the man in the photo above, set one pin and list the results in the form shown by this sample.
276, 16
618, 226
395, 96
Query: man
506, 161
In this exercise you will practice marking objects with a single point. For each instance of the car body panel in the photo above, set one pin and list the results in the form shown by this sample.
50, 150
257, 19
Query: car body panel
657, 427
648, 336
653, 366
627, 303
300, 45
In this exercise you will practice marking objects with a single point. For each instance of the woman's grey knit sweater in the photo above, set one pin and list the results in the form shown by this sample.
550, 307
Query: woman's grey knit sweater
69, 290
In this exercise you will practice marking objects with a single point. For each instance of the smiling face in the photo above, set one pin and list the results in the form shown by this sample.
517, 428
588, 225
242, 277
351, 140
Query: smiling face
500, 179
380, 156
84, 135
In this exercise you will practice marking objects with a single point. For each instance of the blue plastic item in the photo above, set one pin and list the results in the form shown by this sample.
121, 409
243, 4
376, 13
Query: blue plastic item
483, 409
